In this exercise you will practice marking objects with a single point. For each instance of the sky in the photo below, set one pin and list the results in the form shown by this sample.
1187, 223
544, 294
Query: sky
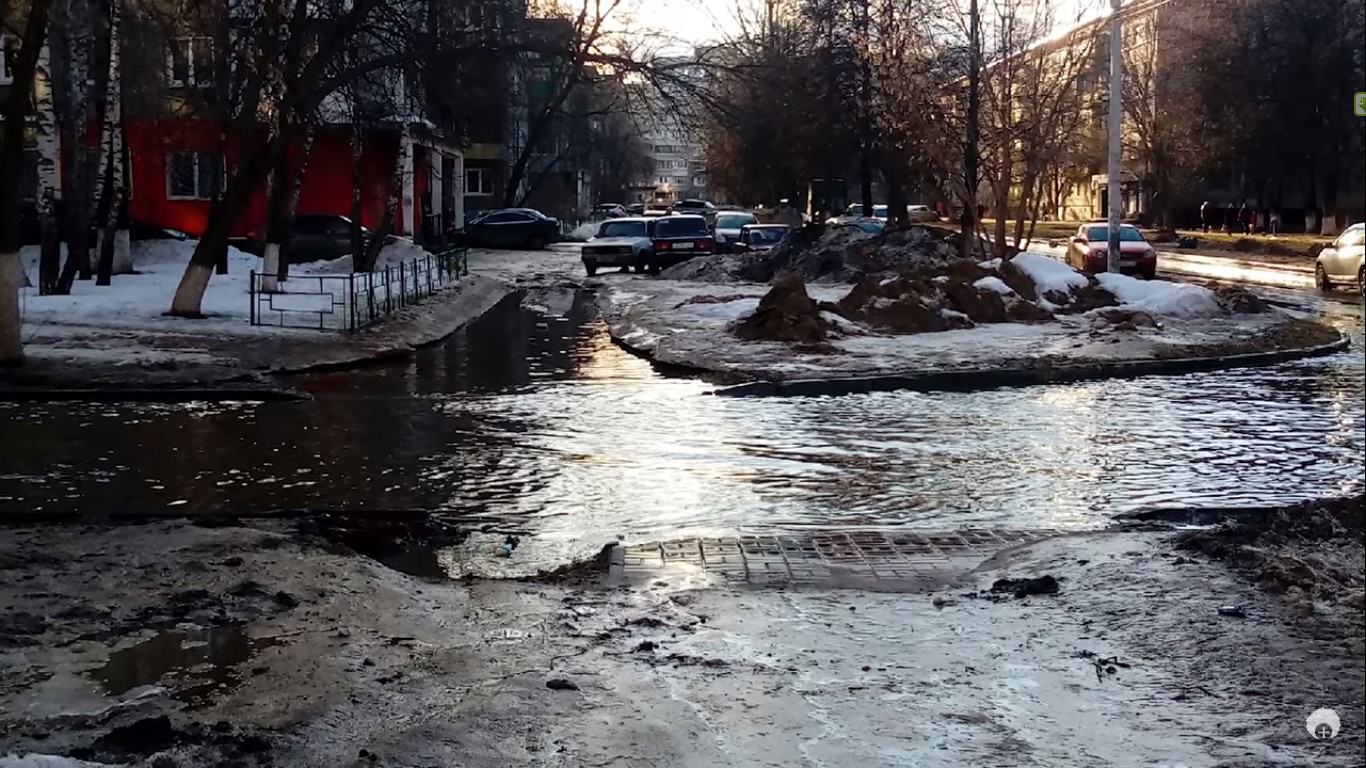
701, 21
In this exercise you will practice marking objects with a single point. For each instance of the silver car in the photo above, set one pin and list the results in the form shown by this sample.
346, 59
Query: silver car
621, 243
1341, 262
727, 228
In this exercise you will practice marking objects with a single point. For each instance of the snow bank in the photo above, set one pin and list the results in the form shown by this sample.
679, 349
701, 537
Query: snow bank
139, 300
584, 231
1048, 273
993, 283
401, 252
1159, 297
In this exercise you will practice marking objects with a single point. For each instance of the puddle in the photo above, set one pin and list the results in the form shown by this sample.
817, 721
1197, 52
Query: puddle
192, 663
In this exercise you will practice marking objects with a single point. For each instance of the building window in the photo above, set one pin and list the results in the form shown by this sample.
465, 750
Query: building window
479, 182
189, 62
193, 175
8, 48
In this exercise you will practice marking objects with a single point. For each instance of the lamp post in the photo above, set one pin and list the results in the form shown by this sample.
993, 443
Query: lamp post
1116, 130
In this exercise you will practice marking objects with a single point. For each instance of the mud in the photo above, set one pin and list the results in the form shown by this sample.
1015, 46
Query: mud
1128, 663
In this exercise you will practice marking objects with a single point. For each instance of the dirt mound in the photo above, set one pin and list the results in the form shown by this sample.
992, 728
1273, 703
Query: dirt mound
785, 313
952, 301
1238, 300
830, 254
1311, 551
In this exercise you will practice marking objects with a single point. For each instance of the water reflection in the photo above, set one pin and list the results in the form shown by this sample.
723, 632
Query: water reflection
539, 420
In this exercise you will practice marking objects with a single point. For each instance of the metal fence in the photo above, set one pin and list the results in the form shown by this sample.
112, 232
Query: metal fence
356, 301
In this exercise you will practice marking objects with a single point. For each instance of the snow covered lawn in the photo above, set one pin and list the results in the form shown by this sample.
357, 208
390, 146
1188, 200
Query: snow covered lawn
686, 324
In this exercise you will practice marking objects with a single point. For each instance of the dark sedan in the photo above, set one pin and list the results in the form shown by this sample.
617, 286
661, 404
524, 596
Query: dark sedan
316, 237
513, 228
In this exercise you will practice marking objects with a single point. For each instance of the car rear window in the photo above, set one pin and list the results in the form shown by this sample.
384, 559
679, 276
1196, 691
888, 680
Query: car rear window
1102, 234
734, 220
680, 226
623, 229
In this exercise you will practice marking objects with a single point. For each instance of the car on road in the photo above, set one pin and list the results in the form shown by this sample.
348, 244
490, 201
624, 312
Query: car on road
921, 214
315, 237
513, 228
701, 208
622, 243
675, 239
1089, 250
761, 237
727, 226
1342, 262
604, 211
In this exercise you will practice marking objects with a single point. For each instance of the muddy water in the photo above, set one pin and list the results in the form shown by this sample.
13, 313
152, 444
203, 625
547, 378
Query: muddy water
534, 421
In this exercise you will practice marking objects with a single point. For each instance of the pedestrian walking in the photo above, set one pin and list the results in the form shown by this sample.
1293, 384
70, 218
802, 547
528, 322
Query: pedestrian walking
1230, 218
1242, 218
1252, 219
1275, 221
1206, 216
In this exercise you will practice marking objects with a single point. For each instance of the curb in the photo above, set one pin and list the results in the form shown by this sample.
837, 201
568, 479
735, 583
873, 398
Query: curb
984, 379
146, 395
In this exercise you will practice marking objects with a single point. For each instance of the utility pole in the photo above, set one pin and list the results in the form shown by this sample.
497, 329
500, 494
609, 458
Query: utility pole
971, 156
1116, 130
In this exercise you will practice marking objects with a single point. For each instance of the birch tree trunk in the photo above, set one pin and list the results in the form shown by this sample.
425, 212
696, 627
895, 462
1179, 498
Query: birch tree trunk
357, 182
112, 191
402, 160
74, 113
286, 184
49, 175
122, 259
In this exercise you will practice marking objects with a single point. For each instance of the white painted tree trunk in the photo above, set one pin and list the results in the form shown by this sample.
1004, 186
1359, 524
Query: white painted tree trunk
270, 268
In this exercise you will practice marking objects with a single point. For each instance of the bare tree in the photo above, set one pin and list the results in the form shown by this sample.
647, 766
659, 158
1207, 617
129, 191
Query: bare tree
17, 108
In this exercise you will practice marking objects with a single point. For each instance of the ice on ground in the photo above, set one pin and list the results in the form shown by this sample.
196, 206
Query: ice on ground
33, 760
1048, 273
993, 283
726, 310
1159, 297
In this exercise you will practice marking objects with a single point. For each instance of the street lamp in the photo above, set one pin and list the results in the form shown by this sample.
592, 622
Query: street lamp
1116, 129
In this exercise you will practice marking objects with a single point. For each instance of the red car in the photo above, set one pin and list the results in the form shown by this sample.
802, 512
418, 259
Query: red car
1089, 250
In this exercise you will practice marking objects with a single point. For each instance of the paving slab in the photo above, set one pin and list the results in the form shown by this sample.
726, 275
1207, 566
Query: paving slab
876, 560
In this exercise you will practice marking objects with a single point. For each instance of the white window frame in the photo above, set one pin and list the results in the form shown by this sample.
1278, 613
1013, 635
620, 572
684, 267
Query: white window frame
6, 45
198, 195
478, 182
195, 78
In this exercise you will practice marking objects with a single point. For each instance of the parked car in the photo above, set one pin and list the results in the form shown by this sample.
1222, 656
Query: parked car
623, 243
675, 239
654, 213
701, 208
604, 211
1089, 250
1341, 262
636, 209
921, 214
727, 226
316, 237
867, 224
761, 237
513, 228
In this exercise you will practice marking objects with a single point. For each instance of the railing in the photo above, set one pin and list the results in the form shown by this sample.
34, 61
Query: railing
356, 301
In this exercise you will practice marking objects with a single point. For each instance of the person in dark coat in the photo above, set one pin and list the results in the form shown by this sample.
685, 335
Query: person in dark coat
1242, 218
1206, 215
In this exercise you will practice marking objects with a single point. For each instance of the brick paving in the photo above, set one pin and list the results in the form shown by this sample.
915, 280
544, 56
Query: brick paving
860, 559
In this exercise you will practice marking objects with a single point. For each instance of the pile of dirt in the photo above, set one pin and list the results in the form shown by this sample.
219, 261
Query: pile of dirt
829, 254
785, 313
1312, 552
949, 302
1237, 300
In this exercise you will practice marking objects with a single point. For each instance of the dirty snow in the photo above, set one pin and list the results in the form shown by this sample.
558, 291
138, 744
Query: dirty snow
32, 760
661, 325
401, 252
993, 283
585, 231
1159, 297
1048, 273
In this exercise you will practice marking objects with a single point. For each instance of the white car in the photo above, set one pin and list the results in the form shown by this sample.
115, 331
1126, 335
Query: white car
1341, 262
621, 243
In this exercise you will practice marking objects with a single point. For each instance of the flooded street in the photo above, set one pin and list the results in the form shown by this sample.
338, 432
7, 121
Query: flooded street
533, 421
